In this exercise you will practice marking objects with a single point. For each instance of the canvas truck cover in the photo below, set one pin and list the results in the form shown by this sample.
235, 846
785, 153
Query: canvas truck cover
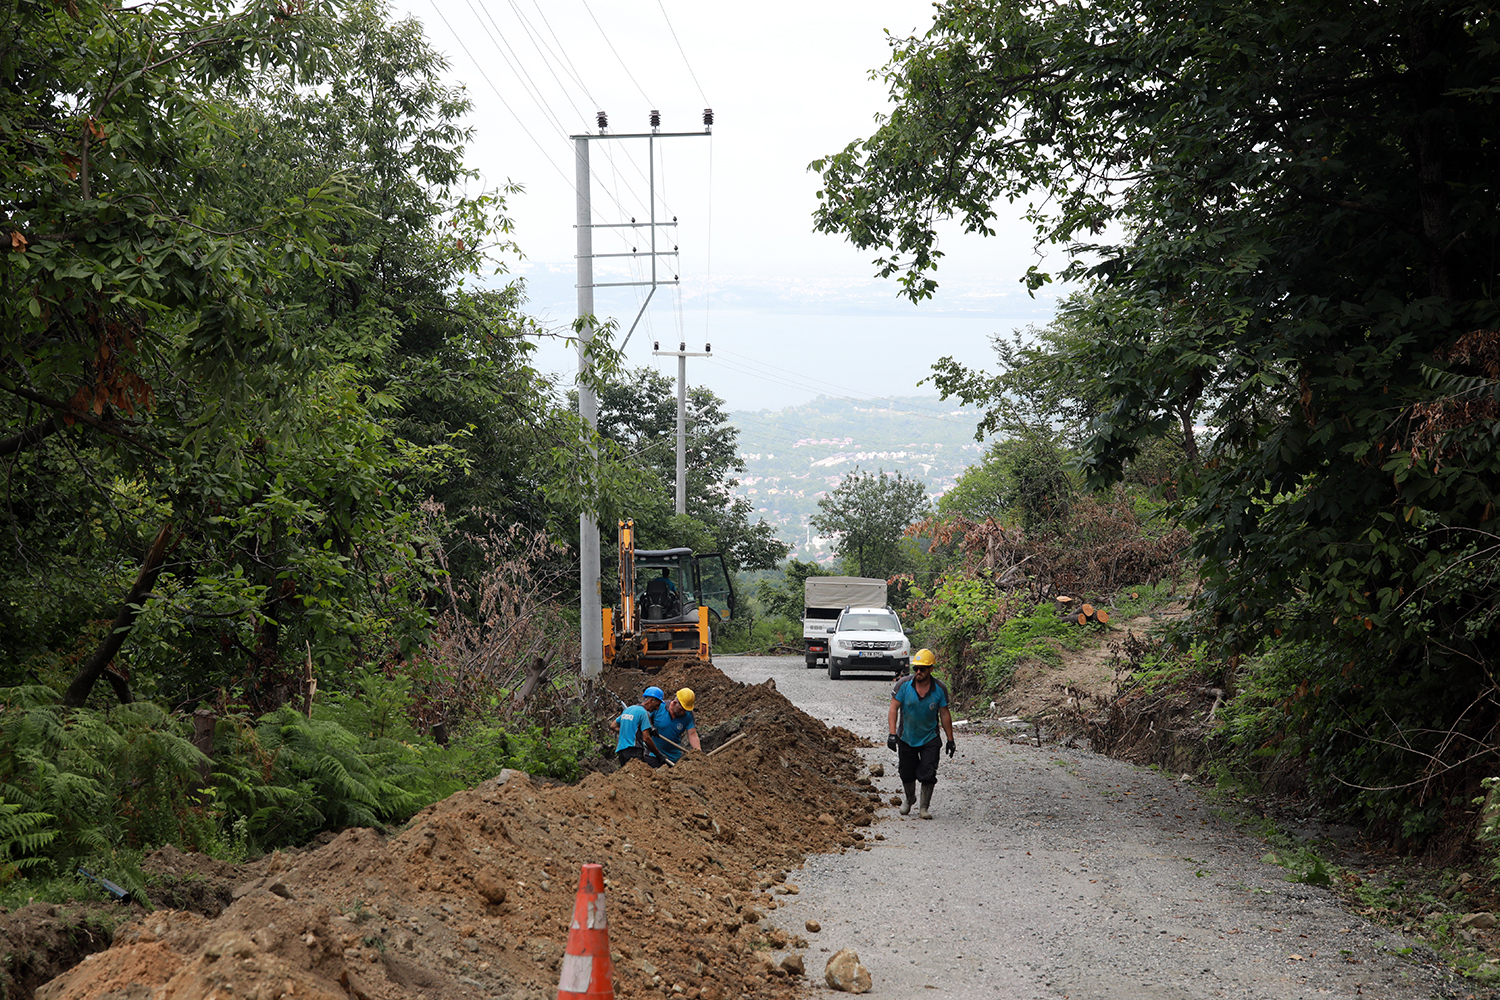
838, 592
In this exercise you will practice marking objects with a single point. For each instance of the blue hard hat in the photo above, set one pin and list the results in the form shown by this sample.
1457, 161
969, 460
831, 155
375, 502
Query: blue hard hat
655, 692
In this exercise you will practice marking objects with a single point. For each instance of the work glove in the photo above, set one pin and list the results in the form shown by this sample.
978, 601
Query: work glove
952, 748
890, 741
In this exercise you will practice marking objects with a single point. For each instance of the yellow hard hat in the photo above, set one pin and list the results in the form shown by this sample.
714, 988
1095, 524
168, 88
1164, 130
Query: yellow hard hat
685, 698
924, 658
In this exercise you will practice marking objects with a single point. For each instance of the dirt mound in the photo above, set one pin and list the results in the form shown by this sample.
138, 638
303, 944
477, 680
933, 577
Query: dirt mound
474, 898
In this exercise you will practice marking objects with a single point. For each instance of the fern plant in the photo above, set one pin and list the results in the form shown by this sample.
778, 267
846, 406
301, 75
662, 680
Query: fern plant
23, 835
123, 778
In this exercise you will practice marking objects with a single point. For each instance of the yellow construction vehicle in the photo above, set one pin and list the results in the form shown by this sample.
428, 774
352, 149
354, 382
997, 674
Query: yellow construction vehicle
669, 599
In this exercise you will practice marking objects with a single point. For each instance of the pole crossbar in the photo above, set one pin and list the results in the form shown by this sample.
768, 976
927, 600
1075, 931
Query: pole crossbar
627, 225
638, 253
641, 135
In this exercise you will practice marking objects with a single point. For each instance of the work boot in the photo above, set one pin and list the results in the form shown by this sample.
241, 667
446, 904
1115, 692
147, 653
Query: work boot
911, 796
926, 813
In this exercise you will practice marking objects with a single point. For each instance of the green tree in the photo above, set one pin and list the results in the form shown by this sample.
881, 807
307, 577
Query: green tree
244, 348
638, 413
869, 514
1022, 478
786, 597
1289, 211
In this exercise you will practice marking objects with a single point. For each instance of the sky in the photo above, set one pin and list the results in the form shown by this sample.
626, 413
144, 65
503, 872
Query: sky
790, 314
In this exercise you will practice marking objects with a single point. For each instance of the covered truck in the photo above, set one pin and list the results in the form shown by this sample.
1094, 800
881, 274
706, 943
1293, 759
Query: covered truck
825, 597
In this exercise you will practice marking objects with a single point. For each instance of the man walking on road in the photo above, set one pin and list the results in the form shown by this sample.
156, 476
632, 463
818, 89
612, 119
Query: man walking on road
918, 704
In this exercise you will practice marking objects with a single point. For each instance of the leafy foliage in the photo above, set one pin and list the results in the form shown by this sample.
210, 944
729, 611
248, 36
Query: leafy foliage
552, 753
22, 835
1279, 210
982, 634
105, 779
869, 514
638, 413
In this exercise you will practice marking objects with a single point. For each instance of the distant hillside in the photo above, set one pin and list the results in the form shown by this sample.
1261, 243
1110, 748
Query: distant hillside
794, 455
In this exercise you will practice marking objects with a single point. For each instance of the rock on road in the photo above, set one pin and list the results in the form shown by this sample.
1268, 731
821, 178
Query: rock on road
1053, 873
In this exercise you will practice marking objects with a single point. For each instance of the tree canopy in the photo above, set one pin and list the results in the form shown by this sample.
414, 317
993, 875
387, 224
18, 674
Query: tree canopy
638, 413
247, 398
1285, 222
869, 512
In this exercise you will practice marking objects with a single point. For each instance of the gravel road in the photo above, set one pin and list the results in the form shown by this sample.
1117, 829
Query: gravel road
1053, 873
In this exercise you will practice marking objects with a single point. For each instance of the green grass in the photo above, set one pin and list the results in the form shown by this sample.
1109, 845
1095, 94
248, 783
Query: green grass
1131, 602
1037, 635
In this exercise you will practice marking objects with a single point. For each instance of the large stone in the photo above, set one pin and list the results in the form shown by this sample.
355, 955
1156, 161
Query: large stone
1477, 921
793, 965
844, 973
490, 887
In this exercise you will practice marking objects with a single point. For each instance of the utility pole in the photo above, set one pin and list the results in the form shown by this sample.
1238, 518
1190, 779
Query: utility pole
682, 354
591, 625
590, 585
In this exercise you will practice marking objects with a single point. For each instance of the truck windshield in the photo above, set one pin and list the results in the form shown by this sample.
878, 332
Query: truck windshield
869, 623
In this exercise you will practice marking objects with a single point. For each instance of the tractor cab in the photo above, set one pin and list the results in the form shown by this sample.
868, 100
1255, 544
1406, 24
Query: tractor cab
669, 598
672, 584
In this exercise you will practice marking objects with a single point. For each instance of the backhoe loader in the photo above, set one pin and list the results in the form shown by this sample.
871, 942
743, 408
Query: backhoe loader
669, 598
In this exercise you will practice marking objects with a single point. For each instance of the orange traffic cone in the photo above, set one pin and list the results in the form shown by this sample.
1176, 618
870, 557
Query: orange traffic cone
587, 973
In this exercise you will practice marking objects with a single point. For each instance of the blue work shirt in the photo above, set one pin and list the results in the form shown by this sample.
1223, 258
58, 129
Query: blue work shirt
673, 729
919, 715
633, 721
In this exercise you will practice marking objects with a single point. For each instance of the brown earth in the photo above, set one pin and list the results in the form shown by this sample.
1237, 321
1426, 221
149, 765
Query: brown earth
473, 898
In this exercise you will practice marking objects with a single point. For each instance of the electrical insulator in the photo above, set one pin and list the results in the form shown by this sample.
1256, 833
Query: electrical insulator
602, 119
708, 117
682, 346
655, 118
656, 345
708, 348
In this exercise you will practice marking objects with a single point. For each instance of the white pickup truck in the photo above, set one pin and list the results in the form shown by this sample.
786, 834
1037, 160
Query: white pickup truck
825, 597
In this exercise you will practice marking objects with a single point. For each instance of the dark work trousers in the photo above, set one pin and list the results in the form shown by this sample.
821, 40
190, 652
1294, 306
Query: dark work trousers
918, 764
629, 754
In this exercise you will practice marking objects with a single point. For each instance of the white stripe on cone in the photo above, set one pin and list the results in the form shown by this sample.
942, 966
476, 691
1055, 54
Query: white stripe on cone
577, 973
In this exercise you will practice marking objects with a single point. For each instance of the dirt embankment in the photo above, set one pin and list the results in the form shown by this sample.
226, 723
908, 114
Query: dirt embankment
474, 897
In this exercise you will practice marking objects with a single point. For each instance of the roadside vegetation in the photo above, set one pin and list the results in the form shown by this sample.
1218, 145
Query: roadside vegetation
1279, 379
290, 518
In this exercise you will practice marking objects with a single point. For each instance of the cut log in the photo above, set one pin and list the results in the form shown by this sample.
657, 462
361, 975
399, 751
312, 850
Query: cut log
1087, 609
1101, 616
1063, 598
1082, 617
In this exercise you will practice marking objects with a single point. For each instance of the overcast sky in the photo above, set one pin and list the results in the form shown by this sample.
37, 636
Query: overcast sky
791, 314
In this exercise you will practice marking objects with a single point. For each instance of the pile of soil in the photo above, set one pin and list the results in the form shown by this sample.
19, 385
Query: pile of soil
474, 898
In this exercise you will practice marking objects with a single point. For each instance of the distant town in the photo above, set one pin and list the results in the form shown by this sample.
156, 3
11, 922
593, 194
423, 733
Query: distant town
795, 455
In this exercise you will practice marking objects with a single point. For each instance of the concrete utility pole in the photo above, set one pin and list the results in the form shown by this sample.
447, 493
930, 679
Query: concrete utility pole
591, 625
682, 354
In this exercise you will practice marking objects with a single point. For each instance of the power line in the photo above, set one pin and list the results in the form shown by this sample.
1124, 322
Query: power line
612, 49
504, 103
563, 49
532, 90
685, 62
